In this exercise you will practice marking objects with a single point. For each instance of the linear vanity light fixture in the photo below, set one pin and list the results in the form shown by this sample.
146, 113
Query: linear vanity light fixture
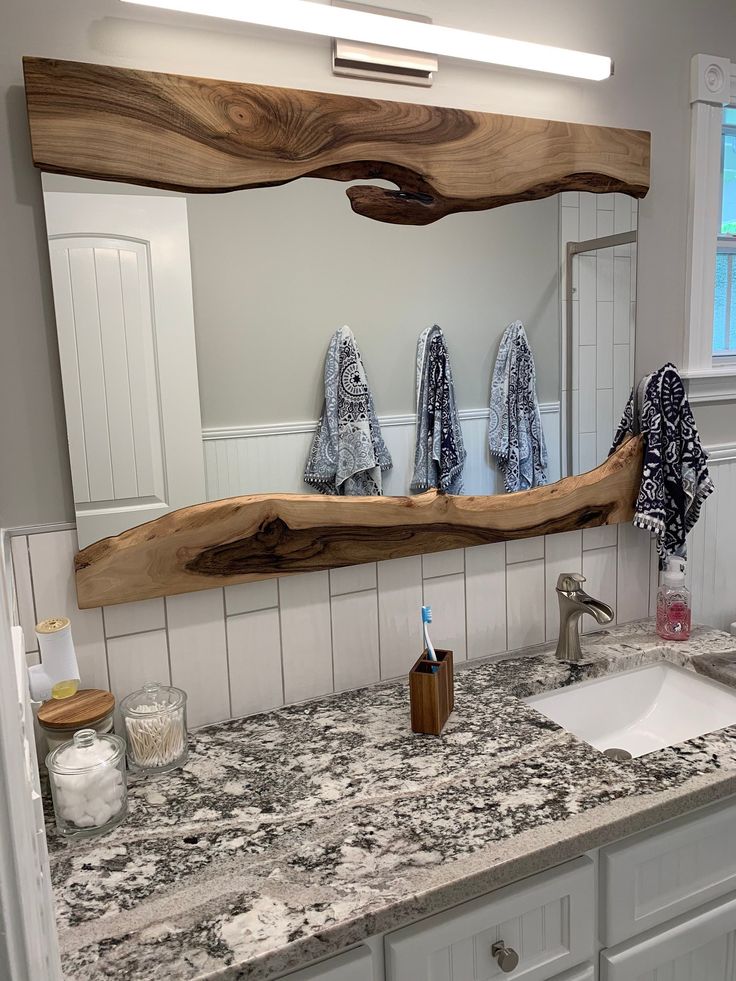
307, 17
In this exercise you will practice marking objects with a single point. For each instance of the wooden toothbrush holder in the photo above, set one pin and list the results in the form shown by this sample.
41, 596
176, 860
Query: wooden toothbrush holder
431, 692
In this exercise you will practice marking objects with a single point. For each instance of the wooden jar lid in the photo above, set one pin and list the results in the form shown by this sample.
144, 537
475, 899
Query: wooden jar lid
88, 706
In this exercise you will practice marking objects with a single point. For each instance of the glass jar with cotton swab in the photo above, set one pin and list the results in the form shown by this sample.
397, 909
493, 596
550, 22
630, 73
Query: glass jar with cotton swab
155, 719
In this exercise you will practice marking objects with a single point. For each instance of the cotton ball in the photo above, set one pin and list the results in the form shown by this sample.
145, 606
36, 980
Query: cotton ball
86, 821
74, 814
115, 806
110, 793
100, 812
71, 799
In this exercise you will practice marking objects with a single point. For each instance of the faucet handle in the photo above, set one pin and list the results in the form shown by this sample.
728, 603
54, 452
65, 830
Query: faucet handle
569, 582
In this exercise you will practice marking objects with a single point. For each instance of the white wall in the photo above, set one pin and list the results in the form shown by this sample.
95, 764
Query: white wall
650, 42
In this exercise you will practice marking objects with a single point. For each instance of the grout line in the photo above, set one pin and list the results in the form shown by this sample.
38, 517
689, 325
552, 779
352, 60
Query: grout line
245, 613
129, 633
281, 643
227, 657
332, 634
107, 653
378, 628
168, 643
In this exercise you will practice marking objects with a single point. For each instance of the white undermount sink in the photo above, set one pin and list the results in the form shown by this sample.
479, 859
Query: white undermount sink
642, 710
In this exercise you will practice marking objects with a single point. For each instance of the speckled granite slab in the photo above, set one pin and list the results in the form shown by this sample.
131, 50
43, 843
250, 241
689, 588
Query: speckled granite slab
291, 835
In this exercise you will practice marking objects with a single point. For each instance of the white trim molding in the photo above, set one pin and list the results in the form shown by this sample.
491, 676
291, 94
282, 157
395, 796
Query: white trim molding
712, 86
714, 385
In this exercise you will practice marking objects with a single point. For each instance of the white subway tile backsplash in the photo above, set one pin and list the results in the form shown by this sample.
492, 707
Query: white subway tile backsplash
399, 622
562, 553
306, 635
136, 660
254, 659
588, 217
525, 605
485, 599
134, 618
604, 224
604, 275
599, 569
52, 568
353, 578
604, 423
604, 345
355, 639
447, 563
587, 391
198, 653
601, 537
446, 596
621, 300
24, 590
525, 549
586, 285
249, 596
633, 563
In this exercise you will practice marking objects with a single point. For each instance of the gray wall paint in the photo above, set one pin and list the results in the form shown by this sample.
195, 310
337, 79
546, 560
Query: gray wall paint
277, 270
650, 42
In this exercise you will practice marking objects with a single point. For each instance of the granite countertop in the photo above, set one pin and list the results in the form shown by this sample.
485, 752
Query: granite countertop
291, 835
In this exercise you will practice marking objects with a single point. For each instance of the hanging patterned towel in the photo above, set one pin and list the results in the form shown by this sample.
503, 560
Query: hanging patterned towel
675, 479
440, 452
348, 454
515, 434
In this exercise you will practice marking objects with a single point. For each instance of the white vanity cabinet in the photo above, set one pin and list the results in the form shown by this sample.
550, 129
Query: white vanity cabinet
355, 965
532, 930
698, 947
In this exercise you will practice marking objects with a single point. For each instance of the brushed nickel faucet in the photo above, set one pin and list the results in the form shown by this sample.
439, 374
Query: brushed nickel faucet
574, 602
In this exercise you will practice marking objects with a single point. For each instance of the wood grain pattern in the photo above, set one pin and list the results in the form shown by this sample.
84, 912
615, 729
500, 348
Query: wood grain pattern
242, 539
431, 693
194, 134
87, 706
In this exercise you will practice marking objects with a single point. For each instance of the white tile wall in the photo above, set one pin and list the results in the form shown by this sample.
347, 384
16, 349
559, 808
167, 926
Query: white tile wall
604, 313
251, 648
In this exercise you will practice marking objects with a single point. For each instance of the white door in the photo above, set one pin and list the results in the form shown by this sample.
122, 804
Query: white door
121, 274
701, 947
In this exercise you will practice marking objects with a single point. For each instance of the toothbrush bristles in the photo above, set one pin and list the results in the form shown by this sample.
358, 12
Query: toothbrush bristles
427, 614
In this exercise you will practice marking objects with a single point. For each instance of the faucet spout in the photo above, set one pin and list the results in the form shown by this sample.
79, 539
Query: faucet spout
574, 602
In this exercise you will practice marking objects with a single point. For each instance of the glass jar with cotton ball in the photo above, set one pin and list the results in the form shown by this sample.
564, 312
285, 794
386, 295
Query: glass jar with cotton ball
155, 719
88, 787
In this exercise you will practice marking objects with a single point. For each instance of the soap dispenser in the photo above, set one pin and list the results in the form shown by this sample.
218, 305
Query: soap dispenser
673, 601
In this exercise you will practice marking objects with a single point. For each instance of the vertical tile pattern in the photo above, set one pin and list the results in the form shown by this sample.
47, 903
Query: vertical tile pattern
447, 563
355, 639
562, 553
399, 600
446, 596
254, 657
633, 573
306, 635
249, 596
599, 569
52, 568
134, 618
353, 578
485, 599
525, 604
198, 653
135, 660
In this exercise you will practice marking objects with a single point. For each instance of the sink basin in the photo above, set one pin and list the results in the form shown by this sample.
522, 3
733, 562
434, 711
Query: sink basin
641, 710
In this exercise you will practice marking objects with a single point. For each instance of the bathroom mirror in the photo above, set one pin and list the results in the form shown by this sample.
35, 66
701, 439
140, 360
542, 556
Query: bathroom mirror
272, 273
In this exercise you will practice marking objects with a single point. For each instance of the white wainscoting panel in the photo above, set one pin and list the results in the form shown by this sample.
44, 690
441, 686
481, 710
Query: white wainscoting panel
271, 459
255, 646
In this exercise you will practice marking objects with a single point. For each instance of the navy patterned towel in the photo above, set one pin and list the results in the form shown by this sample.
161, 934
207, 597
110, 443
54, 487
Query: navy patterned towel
515, 435
675, 479
348, 454
440, 453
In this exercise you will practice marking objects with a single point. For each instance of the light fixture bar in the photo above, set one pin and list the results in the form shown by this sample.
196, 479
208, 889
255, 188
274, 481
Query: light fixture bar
306, 17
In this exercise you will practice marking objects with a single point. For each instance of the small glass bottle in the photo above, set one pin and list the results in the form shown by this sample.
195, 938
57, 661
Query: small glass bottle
87, 776
155, 719
673, 602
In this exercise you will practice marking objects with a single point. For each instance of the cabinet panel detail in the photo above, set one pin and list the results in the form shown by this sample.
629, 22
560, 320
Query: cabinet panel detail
546, 920
700, 947
657, 875
355, 965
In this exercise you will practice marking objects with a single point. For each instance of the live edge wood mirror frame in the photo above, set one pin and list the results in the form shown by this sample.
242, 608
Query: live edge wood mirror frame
205, 135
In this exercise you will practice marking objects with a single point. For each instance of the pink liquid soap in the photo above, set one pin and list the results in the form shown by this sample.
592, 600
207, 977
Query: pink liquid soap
674, 615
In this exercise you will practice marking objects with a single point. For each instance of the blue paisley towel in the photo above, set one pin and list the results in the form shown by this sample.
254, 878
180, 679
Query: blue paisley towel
440, 453
515, 435
348, 454
675, 479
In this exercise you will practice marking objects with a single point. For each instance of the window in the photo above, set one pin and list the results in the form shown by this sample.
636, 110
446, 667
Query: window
724, 311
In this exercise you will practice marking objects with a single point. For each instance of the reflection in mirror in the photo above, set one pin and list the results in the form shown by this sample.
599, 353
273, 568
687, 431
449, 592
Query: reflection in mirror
217, 320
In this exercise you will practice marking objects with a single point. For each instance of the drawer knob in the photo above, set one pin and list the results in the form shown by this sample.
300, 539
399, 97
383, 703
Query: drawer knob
507, 957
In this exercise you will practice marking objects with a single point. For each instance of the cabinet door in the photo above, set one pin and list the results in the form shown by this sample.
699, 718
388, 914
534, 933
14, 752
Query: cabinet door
546, 920
121, 275
356, 965
700, 947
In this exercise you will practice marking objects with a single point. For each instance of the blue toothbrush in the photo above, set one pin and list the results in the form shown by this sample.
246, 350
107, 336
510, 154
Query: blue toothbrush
427, 618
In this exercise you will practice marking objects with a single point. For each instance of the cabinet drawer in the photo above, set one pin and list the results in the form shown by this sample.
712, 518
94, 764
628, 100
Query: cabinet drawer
355, 965
547, 920
659, 874
700, 947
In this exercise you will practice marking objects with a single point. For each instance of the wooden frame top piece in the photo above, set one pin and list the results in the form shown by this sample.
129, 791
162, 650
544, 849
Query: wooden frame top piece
204, 135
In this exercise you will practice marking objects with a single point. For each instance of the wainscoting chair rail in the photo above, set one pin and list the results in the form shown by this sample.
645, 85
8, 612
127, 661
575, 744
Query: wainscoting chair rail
203, 135
243, 539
